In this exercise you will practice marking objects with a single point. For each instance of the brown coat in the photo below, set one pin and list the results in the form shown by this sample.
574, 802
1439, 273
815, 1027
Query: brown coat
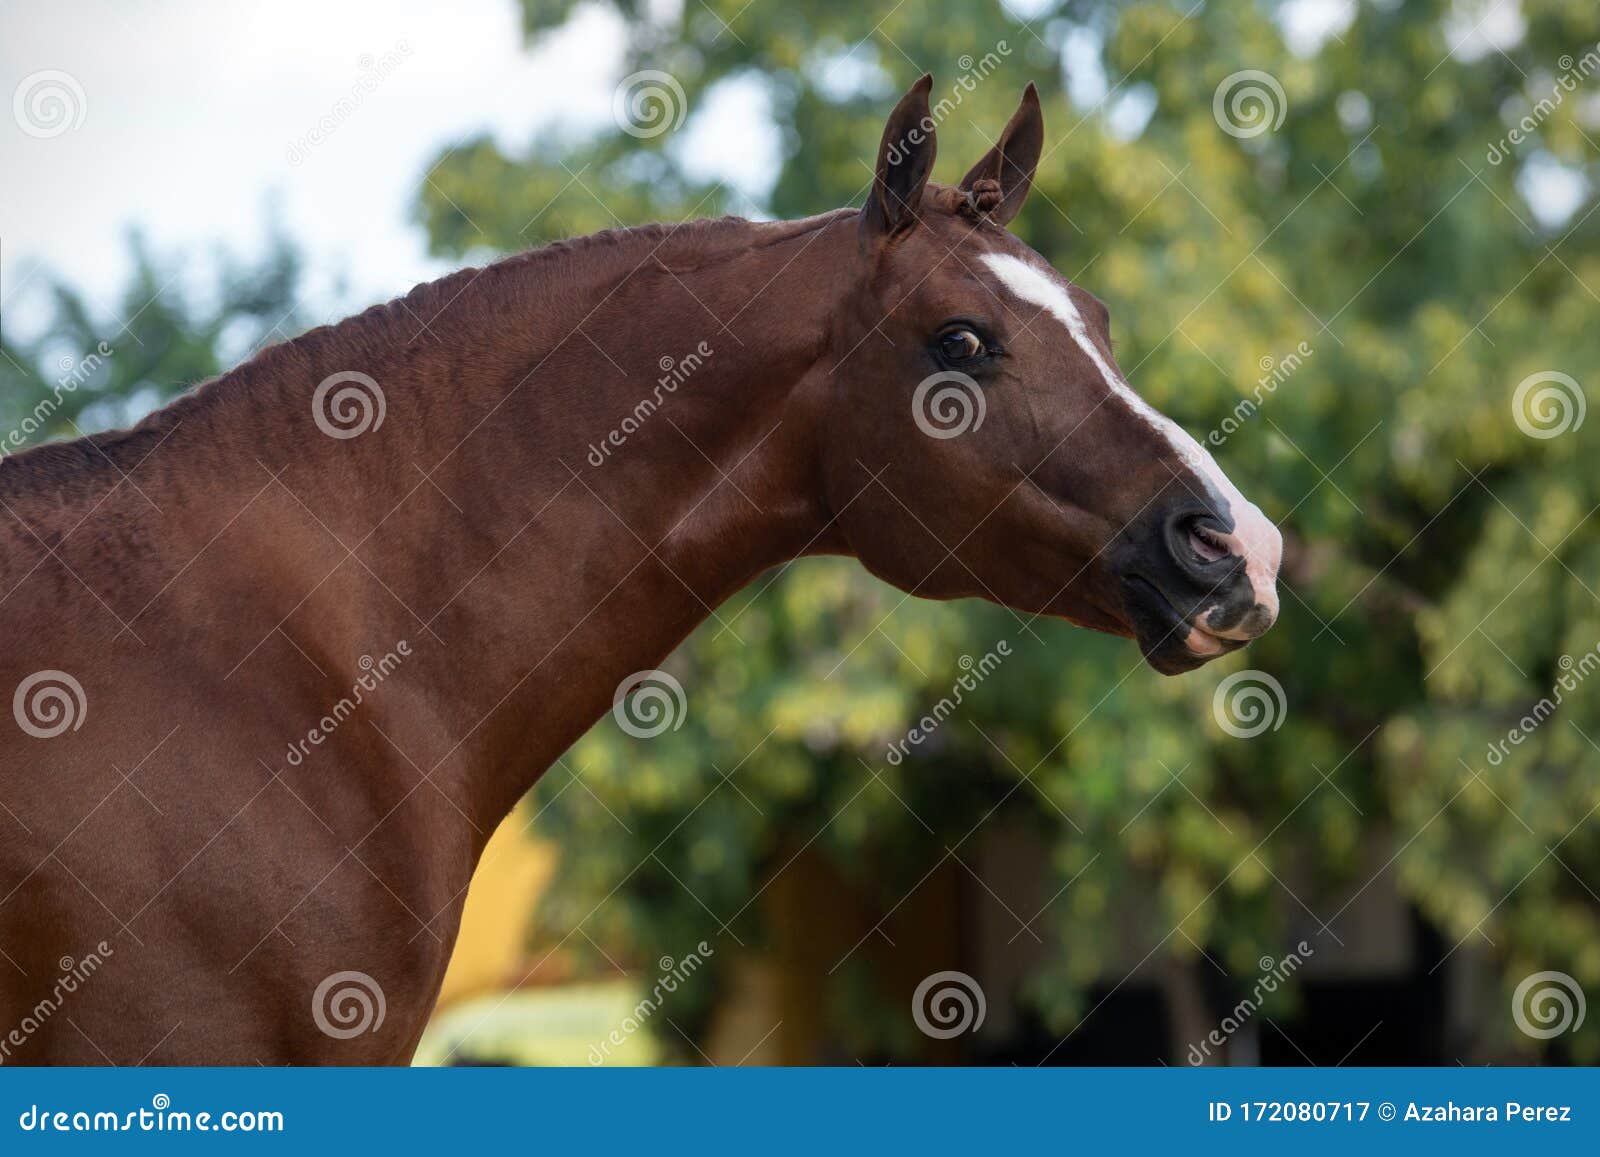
275, 684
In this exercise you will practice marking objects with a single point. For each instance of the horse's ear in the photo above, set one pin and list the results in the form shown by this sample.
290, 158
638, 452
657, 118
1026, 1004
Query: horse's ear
905, 158
998, 184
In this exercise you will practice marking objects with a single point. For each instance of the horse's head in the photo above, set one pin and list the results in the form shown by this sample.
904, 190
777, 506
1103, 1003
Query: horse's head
982, 441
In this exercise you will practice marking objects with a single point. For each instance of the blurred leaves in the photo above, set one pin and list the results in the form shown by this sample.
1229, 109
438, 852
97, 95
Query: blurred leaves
96, 367
1441, 561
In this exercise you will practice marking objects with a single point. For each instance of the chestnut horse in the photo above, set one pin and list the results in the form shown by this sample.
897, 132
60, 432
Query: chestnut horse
282, 655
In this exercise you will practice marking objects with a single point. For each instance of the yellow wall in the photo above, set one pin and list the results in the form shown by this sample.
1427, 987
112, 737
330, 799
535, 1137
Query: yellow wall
491, 951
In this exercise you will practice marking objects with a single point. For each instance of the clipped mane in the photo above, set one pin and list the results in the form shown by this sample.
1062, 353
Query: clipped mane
584, 262
594, 258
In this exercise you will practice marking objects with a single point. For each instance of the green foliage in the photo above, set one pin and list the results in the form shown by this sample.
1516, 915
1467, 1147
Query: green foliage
93, 368
1440, 561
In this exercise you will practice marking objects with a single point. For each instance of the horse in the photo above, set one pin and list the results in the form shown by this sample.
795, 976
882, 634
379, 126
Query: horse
284, 653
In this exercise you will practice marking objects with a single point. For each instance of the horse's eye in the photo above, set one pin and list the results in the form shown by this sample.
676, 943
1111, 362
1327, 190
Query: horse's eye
960, 345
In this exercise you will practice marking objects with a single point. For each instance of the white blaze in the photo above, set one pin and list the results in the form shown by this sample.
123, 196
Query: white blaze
1254, 538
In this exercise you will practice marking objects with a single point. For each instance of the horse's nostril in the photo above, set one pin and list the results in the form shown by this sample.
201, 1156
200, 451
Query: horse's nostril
1203, 540
1204, 544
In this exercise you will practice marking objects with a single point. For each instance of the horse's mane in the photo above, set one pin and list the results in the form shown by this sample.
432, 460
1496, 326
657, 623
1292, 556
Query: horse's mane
592, 259
576, 264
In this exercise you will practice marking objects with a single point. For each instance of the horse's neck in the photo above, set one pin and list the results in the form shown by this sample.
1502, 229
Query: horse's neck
578, 462
651, 450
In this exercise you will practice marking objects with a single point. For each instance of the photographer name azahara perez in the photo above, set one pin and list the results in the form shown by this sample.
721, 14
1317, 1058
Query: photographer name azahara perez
1514, 1111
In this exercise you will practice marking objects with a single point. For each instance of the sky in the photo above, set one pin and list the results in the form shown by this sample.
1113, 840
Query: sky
197, 118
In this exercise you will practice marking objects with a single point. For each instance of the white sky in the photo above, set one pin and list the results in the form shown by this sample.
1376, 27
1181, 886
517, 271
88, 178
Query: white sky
190, 107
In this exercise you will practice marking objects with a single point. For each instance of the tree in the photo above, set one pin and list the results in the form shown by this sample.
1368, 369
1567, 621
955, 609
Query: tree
91, 370
1339, 263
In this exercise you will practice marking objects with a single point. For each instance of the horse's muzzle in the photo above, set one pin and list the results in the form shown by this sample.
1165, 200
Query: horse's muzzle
1196, 586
